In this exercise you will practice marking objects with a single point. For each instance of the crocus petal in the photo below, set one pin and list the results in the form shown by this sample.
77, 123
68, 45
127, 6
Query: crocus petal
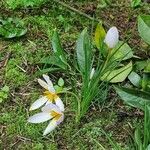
112, 37
48, 102
43, 84
38, 103
59, 103
49, 107
49, 82
60, 119
40, 117
52, 125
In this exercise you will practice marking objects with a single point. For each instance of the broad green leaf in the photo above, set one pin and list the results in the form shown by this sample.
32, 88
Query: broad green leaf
144, 64
140, 65
47, 70
53, 60
84, 51
61, 82
144, 27
57, 48
135, 3
117, 75
12, 27
122, 51
135, 79
134, 98
99, 36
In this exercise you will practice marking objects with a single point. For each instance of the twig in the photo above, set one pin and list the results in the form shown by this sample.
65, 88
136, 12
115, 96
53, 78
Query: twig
23, 94
4, 62
21, 68
79, 12
23, 138
7, 58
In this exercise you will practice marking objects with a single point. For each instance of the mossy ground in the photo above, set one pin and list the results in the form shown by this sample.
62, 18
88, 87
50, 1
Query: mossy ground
20, 66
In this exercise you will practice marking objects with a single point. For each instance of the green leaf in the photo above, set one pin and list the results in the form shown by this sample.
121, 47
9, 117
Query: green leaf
140, 65
5, 95
135, 79
117, 75
144, 27
146, 82
53, 60
146, 133
58, 88
99, 35
134, 98
147, 68
84, 51
12, 27
47, 70
61, 82
122, 51
144, 64
57, 48
148, 147
135, 3
137, 137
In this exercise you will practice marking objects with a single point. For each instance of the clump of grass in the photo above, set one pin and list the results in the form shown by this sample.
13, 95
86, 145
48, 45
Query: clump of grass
14, 4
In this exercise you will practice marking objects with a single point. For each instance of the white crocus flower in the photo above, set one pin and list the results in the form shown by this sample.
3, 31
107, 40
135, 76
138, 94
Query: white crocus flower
112, 37
49, 96
92, 73
49, 112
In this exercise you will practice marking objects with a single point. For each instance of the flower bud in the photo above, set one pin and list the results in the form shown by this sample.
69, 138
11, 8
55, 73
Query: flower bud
112, 37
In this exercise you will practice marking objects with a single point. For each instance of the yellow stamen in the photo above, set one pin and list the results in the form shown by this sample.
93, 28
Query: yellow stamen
50, 96
55, 115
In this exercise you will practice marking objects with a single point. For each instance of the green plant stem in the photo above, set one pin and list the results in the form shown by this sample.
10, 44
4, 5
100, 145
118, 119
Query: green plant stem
102, 148
106, 62
78, 103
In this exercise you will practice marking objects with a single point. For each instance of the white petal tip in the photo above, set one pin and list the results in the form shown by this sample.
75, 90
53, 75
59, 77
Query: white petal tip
52, 125
30, 109
45, 134
44, 75
29, 120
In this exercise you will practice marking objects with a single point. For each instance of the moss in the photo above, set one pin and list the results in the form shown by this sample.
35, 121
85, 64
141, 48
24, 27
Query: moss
13, 4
